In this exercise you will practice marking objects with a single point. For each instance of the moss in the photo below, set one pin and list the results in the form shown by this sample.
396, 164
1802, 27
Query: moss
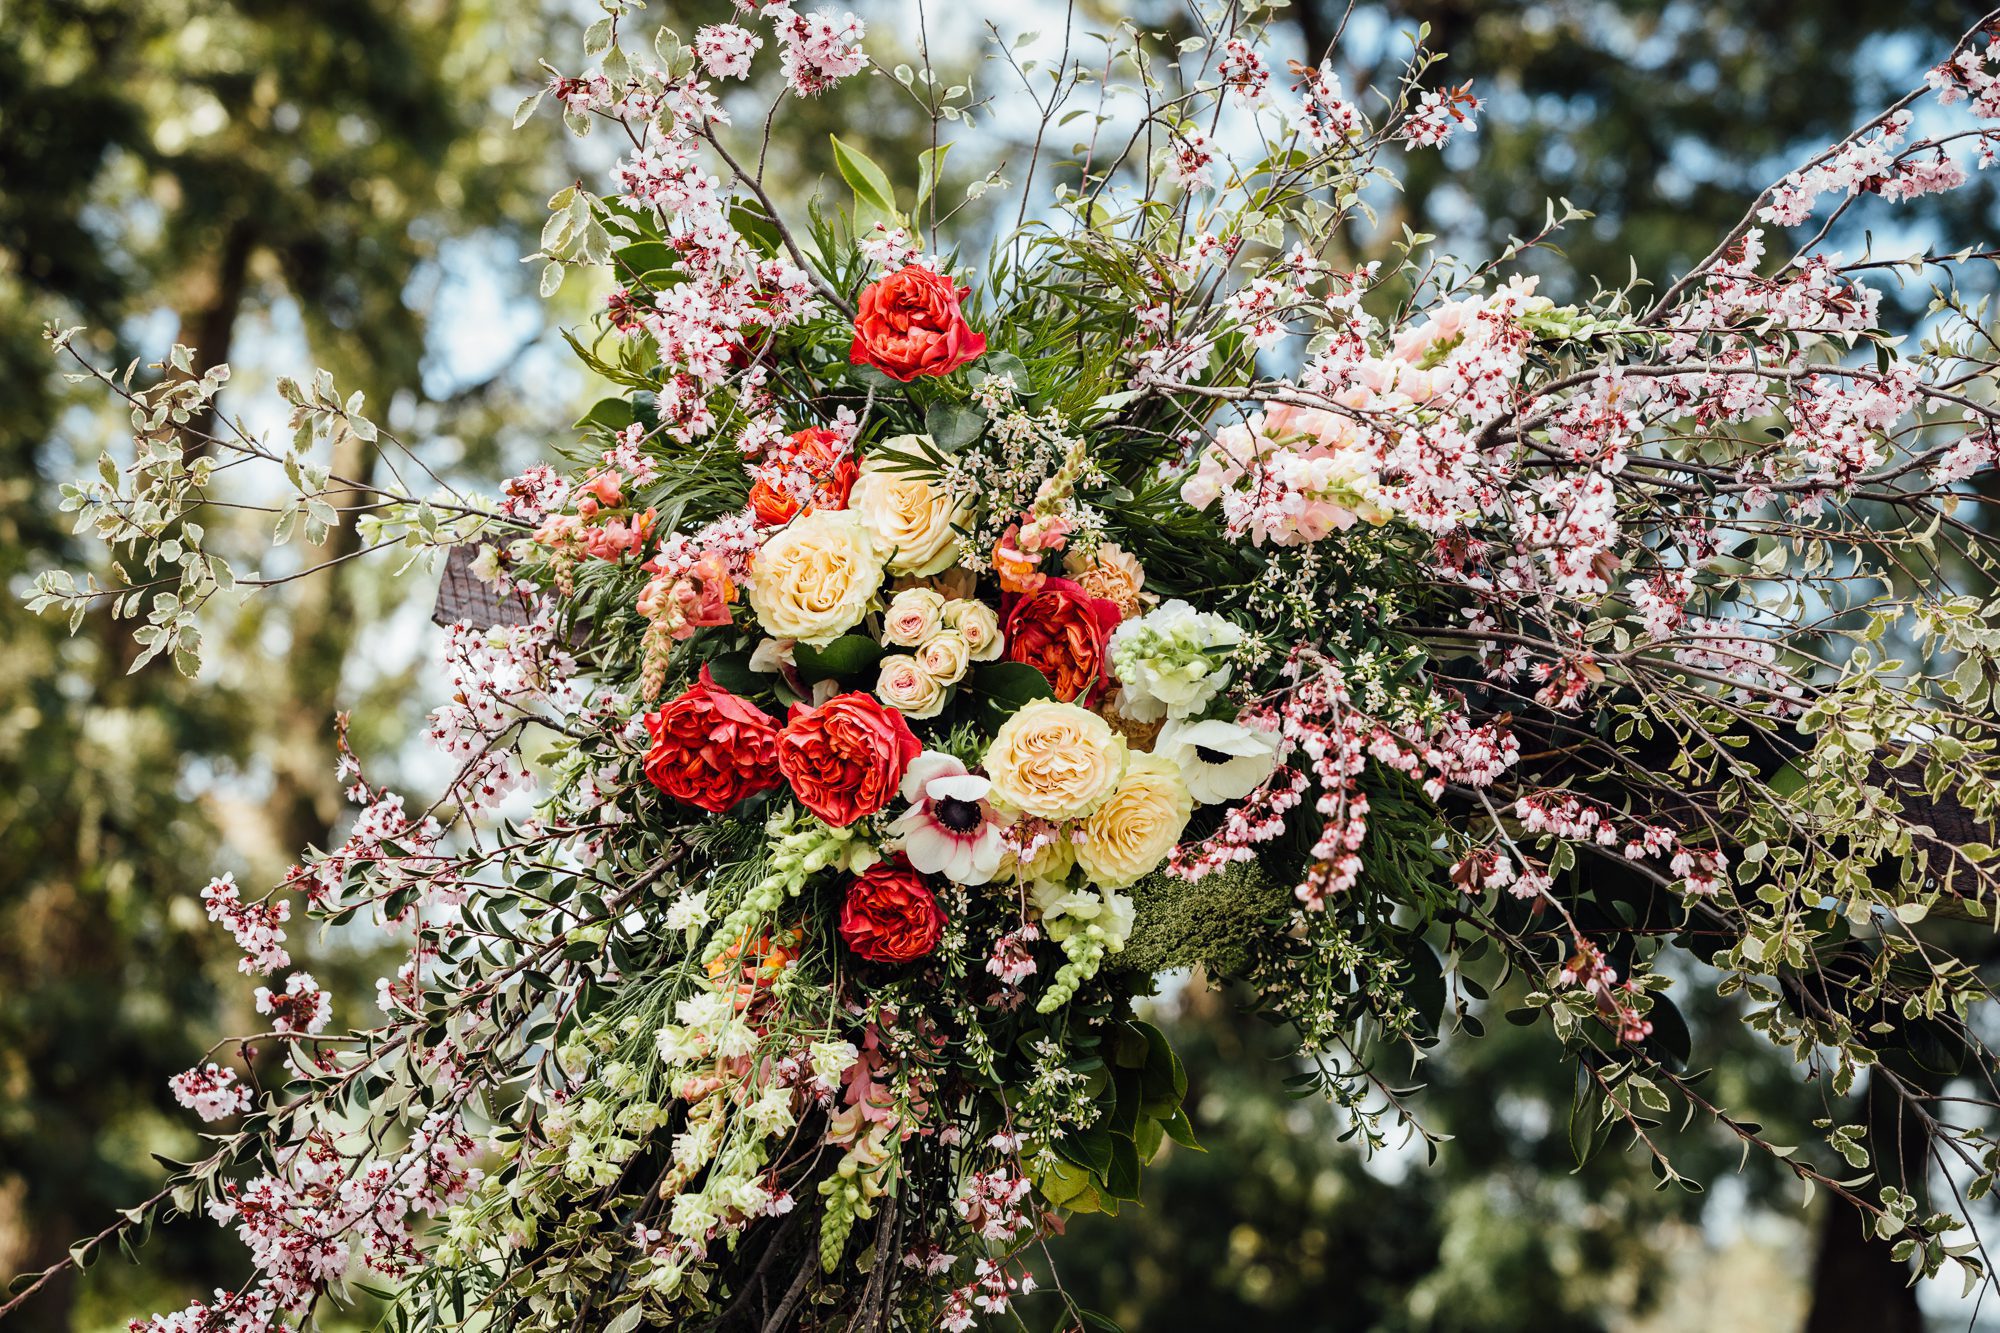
1211, 923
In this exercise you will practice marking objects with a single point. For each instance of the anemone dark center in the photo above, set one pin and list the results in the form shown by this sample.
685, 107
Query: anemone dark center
1208, 756
959, 816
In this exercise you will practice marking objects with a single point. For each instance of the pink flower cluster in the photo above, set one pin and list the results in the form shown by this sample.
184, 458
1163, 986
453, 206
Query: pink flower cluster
1287, 476
603, 526
211, 1092
258, 928
302, 1007
816, 51
725, 49
1588, 969
1439, 114
990, 1203
1870, 163
319, 1212
1317, 722
991, 1291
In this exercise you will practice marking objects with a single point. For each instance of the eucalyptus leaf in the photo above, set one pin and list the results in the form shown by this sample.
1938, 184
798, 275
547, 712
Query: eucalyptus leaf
953, 426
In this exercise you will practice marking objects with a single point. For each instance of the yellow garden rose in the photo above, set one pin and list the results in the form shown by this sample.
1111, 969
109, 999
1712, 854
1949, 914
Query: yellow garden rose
1129, 835
1054, 760
816, 578
909, 518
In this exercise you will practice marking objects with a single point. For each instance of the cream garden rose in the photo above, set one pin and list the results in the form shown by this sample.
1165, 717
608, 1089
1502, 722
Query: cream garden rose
978, 624
945, 656
1129, 835
910, 519
903, 684
816, 578
1054, 760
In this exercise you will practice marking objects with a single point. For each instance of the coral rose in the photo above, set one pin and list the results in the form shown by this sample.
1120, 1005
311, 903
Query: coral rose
712, 748
890, 915
1062, 631
1054, 760
909, 324
846, 757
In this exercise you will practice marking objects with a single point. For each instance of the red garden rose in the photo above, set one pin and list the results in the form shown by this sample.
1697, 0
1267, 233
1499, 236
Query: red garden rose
890, 914
846, 757
712, 748
909, 324
1063, 632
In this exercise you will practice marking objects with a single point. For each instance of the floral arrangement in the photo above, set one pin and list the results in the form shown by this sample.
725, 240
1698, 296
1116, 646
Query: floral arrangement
918, 657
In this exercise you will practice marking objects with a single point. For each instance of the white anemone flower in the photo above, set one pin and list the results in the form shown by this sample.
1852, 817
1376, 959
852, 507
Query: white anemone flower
1220, 761
950, 828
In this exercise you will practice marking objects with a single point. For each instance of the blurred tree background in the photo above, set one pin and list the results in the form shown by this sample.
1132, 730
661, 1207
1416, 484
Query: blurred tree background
249, 177
283, 184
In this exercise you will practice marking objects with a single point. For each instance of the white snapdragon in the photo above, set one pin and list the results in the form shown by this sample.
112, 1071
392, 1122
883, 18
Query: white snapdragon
771, 1114
680, 1045
831, 1059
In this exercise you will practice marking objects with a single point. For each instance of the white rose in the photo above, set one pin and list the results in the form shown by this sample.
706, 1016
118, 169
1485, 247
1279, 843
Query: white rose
978, 624
946, 657
905, 686
914, 615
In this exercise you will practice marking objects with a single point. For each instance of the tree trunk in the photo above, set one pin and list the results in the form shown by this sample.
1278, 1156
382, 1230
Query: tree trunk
207, 324
1858, 1286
